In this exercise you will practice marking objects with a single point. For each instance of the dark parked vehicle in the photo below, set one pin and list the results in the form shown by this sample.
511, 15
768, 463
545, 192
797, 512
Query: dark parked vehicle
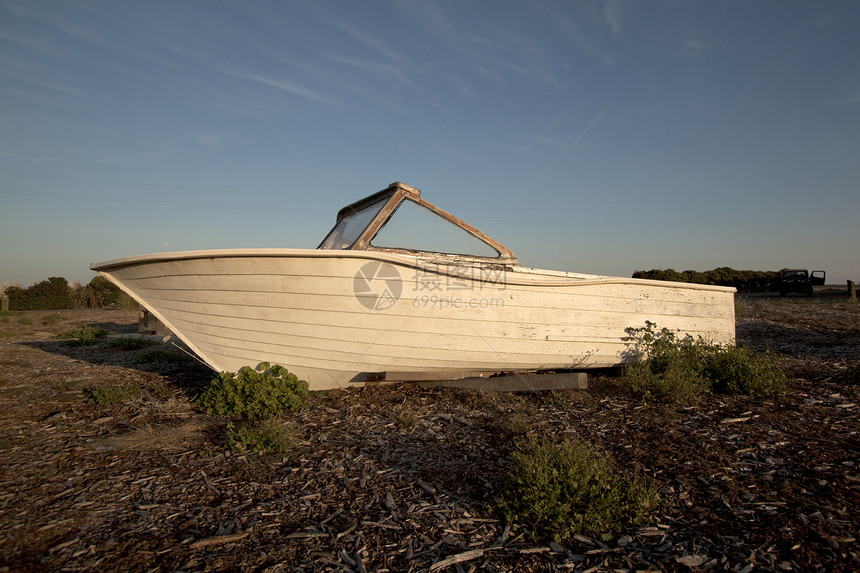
799, 280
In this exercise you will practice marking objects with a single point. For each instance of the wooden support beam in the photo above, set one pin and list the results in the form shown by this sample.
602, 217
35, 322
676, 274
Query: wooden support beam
529, 382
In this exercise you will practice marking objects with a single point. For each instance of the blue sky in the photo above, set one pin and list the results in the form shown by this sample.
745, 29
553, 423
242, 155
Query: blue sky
600, 137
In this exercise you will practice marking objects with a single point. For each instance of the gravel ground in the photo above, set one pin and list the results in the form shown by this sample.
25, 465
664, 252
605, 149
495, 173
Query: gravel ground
405, 479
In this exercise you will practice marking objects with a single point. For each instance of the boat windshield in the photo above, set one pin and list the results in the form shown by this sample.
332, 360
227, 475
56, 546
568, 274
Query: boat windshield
349, 229
415, 228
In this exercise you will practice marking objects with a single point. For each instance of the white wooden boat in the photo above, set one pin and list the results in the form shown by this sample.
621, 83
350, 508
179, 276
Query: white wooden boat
400, 289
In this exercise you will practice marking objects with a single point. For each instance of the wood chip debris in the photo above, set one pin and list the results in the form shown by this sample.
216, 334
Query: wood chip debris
408, 479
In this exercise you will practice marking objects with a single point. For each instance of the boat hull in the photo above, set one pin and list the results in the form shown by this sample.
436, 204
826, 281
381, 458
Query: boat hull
348, 318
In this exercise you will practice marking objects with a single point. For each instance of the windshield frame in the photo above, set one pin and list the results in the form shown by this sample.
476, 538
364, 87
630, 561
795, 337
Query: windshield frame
395, 194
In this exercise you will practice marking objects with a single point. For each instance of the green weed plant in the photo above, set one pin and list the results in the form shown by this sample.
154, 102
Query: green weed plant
83, 332
51, 319
669, 369
82, 336
261, 392
268, 436
565, 487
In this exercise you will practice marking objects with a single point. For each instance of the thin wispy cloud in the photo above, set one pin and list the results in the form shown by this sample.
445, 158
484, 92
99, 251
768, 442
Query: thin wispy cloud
375, 67
120, 40
612, 16
692, 47
40, 47
278, 84
850, 98
583, 36
464, 88
25, 73
372, 41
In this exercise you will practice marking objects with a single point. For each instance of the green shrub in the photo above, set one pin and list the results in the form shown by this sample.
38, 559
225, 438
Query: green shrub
83, 332
110, 394
513, 427
269, 436
675, 383
744, 281
564, 487
82, 336
736, 370
261, 392
672, 370
51, 319
126, 343
51, 294
163, 357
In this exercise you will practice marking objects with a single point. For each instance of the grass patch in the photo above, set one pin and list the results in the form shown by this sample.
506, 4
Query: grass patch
740, 308
564, 487
82, 336
7, 333
70, 384
261, 392
269, 436
671, 370
126, 343
558, 398
107, 395
513, 427
163, 357
405, 419
25, 321
51, 319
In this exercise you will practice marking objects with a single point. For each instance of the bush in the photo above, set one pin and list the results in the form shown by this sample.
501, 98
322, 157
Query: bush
671, 370
261, 392
88, 331
82, 336
744, 281
101, 293
269, 436
565, 487
51, 319
735, 370
52, 294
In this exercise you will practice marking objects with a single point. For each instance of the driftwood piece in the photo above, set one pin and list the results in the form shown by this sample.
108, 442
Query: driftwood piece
219, 539
459, 558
